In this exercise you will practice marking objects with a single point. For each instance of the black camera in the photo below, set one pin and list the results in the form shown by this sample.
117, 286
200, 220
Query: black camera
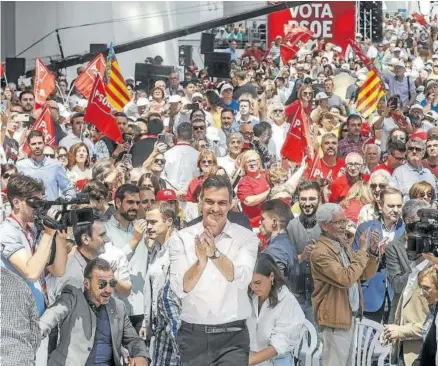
64, 218
423, 234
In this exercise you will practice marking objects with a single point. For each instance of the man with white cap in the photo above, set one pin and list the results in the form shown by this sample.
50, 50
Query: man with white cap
418, 122
402, 85
227, 98
176, 115
322, 99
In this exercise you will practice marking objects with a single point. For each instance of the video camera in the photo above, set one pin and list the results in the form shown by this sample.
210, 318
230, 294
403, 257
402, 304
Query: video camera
64, 218
423, 234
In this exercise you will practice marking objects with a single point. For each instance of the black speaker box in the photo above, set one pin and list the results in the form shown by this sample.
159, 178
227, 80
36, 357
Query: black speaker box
207, 43
98, 47
218, 64
15, 67
147, 74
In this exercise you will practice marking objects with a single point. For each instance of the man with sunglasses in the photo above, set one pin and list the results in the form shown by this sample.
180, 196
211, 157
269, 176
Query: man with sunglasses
413, 171
396, 156
96, 339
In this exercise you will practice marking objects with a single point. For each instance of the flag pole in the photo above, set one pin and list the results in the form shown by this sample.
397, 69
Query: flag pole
70, 91
59, 89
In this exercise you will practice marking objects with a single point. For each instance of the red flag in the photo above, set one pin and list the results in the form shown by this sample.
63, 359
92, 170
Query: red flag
44, 83
2, 70
99, 112
365, 60
419, 18
85, 81
292, 41
298, 141
44, 123
314, 169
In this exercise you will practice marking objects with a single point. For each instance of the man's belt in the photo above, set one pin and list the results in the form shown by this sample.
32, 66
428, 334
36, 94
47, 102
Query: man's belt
236, 326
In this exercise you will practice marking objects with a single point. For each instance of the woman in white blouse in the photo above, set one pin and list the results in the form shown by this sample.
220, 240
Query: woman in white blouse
79, 163
276, 320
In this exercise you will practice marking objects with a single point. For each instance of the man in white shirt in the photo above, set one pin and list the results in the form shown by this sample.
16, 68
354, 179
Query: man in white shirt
211, 265
279, 128
181, 160
76, 134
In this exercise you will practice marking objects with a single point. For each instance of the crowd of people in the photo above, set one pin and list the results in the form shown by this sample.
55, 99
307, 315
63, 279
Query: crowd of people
204, 244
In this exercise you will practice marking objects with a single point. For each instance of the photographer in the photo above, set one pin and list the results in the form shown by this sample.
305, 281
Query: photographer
27, 252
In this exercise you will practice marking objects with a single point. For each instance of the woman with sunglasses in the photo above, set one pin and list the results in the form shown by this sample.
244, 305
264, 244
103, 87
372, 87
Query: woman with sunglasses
154, 164
423, 191
379, 181
302, 106
61, 153
275, 324
206, 162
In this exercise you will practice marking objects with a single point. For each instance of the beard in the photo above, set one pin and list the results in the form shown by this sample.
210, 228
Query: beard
126, 215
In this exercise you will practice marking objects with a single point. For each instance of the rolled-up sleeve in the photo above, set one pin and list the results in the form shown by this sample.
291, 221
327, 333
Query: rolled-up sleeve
245, 259
287, 328
179, 264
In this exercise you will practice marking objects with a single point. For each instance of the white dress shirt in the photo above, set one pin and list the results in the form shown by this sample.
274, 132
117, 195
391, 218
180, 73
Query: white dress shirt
227, 163
181, 166
214, 300
278, 326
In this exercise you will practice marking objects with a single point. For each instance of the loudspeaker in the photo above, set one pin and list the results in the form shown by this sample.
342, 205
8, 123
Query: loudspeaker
218, 64
15, 67
147, 74
98, 47
207, 43
185, 55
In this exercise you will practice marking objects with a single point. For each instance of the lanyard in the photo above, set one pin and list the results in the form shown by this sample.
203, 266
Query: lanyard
27, 230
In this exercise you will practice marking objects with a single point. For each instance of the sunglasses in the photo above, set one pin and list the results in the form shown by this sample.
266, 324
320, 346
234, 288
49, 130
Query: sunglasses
160, 161
278, 111
50, 155
307, 93
380, 185
416, 149
199, 128
7, 175
207, 162
105, 283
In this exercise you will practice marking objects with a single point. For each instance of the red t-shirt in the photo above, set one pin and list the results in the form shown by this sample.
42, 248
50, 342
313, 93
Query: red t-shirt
341, 186
250, 186
433, 169
352, 209
383, 167
331, 172
194, 189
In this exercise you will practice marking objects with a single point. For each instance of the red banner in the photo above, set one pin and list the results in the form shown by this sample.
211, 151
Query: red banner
85, 81
99, 112
335, 21
292, 42
44, 83
44, 123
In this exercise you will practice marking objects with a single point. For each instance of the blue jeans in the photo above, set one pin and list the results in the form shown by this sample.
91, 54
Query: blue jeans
283, 360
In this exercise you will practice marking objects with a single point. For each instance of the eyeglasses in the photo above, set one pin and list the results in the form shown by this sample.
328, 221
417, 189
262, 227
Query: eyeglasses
104, 283
207, 162
354, 165
382, 186
50, 155
7, 175
199, 128
414, 148
425, 194
160, 161
425, 289
402, 159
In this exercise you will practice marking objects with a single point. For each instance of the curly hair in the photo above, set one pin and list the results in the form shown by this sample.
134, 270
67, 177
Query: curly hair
72, 155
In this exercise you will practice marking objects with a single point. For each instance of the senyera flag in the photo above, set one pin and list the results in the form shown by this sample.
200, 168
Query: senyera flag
295, 38
44, 123
44, 82
99, 112
85, 81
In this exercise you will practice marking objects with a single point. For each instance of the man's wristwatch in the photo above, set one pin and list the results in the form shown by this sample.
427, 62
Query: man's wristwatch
215, 255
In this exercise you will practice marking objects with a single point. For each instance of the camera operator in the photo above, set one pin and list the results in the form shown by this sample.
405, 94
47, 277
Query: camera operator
27, 252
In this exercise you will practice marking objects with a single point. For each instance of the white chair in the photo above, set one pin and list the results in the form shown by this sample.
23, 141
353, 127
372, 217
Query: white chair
367, 346
307, 345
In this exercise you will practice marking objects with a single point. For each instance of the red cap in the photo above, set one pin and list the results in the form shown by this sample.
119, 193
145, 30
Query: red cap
166, 195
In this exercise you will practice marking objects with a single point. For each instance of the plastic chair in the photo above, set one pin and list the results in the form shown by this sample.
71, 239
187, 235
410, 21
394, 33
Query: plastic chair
308, 343
367, 346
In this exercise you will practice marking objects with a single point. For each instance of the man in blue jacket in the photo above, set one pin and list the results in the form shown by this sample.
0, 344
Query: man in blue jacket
389, 226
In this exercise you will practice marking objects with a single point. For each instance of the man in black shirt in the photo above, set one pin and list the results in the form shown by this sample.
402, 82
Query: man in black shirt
243, 86
143, 148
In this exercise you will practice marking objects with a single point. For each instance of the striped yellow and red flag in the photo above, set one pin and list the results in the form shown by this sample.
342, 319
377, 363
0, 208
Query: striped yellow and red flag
369, 94
116, 90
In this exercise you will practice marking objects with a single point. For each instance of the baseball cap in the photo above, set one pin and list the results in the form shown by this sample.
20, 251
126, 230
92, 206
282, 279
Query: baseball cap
416, 106
226, 87
321, 95
141, 102
166, 195
212, 134
337, 49
197, 95
399, 64
397, 49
